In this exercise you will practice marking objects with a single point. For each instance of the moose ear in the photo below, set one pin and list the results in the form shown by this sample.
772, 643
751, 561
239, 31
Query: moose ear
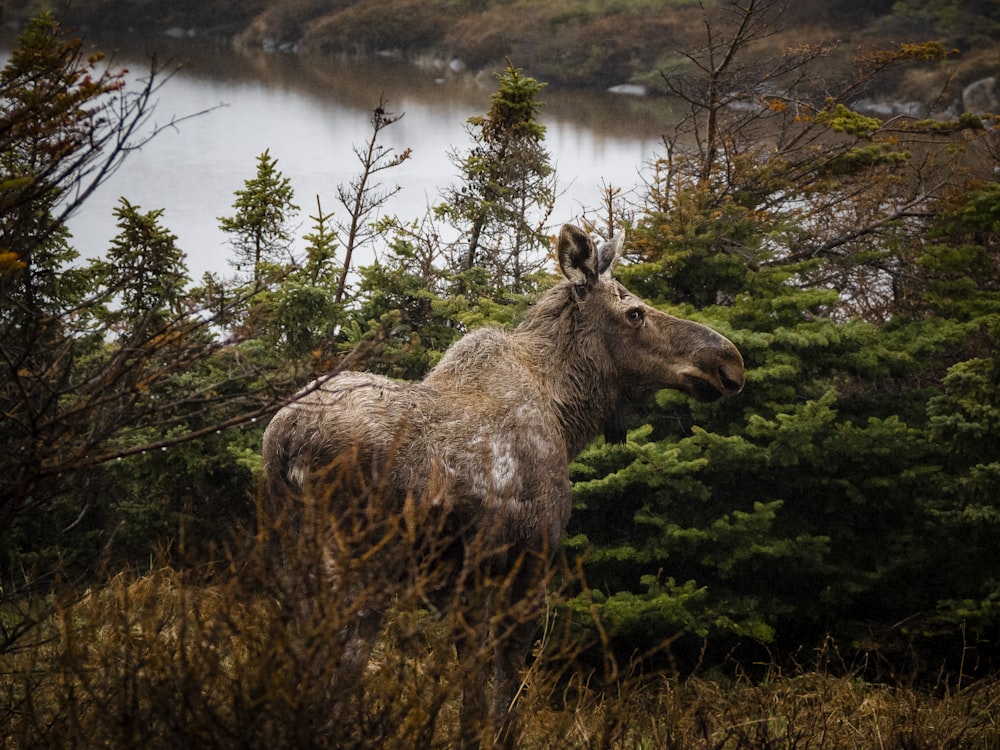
609, 253
577, 256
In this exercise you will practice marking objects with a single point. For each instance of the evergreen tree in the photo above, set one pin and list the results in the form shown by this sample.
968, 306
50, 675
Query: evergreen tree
404, 303
321, 248
259, 229
508, 186
146, 255
110, 359
806, 506
302, 312
63, 128
960, 511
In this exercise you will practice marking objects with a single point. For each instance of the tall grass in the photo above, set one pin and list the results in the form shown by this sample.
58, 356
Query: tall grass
255, 653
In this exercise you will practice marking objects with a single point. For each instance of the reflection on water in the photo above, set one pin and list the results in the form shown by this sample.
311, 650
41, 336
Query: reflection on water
311, 113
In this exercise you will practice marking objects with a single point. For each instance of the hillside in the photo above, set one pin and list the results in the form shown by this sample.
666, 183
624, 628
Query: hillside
583, 43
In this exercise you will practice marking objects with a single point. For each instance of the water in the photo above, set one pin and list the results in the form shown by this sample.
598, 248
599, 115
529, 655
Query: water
311, 114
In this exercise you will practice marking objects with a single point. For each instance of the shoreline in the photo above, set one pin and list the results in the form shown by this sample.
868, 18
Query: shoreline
610, 65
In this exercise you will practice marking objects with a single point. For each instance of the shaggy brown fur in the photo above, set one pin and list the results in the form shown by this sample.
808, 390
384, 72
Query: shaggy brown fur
487, 436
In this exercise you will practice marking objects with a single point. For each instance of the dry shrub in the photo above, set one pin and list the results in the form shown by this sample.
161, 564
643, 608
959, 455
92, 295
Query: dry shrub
252, 652
367, 26
486, 38
588, 48
260, 650
280, 23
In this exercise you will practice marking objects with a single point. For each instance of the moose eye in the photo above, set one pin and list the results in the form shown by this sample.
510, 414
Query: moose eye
635, 315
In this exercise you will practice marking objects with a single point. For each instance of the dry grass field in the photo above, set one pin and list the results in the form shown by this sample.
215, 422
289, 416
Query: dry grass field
244, 655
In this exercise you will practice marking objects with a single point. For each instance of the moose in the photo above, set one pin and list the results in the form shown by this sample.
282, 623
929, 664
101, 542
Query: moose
485, 440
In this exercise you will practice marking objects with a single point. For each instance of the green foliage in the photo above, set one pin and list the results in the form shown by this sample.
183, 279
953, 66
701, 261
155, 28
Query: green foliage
259, 228
963, 514
979, 213
321, 247
955, 279
823, 497
300, 315
57, 117
781, 528
852, 486
864, 157
118, 376
841, 119
508, 186
400, 304
513, 111
690, 255
305, 317
416, 310
146, 254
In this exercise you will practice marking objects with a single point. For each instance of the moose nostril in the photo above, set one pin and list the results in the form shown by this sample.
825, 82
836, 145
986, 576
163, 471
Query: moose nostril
731, 384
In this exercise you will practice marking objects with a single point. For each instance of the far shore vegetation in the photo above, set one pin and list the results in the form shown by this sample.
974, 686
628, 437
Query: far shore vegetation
582, 43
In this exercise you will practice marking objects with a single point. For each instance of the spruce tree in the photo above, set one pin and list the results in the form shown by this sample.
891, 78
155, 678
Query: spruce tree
809, 505
507, 188
144, 255
259, 230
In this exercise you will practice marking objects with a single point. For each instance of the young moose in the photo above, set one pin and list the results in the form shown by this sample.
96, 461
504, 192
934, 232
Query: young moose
485, 440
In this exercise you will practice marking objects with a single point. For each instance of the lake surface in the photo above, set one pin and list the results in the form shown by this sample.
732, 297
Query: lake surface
310, 114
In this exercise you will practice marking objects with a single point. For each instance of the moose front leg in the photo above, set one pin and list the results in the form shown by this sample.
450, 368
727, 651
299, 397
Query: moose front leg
508, 678
495, 646
518, 607
471, 634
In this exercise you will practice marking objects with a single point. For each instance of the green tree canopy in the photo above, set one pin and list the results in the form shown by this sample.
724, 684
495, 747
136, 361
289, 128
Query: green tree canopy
260, 230
507, 187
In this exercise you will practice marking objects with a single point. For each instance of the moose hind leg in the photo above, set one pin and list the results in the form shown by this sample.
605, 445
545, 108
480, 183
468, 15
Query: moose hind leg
347, 708
358, 640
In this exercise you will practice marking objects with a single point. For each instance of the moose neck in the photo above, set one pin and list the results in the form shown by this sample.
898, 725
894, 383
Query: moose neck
577, 372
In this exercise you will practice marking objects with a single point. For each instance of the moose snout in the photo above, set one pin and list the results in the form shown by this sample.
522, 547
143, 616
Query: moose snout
713, 367
719, 372
731, 370
731, 377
